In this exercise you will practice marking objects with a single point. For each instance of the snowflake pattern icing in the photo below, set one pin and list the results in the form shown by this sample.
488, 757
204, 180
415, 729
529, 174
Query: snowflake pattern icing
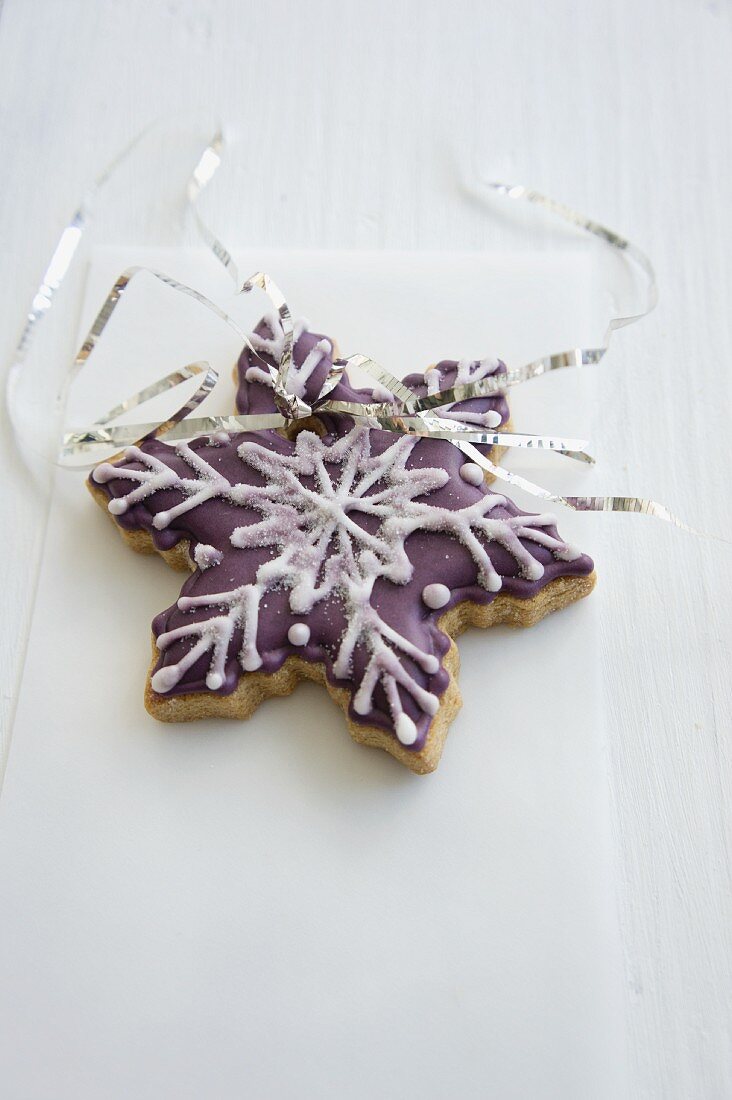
335, 516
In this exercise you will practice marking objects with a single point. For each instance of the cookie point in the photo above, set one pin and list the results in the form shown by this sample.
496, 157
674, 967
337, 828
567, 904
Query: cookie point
406, 730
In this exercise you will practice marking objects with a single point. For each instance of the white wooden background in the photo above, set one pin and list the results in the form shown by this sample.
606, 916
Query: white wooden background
358, 119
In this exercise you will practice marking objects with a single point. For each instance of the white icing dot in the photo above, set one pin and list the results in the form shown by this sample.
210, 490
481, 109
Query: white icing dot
185, 603
494, 583
299, 634
101, 473
472, 473
117, 506
221, 437
430, 663
361, 706
492, 419
162, 519
436, 595
406, 730
165, 678
214, 680
534, 570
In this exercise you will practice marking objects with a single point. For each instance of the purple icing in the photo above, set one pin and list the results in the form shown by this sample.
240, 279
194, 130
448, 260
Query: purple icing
435, 556
447, 370
258, 397
255, 395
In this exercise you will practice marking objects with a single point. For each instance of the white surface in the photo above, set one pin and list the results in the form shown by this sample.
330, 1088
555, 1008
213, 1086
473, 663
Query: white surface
192, 898
357, 118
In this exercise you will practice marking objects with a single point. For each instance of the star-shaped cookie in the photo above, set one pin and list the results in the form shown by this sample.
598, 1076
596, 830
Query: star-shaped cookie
348, 555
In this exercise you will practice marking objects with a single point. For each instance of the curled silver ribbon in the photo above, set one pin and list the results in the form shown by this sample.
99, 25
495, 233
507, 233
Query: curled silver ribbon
407, 413
62, 258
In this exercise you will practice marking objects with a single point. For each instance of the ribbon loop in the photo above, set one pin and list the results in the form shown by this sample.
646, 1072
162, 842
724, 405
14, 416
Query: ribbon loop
404, 413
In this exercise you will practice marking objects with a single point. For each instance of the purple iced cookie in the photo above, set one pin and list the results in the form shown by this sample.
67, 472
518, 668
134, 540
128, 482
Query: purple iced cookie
359, 554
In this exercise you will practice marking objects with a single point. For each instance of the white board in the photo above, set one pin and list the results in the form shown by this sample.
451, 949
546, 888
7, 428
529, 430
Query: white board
267, 909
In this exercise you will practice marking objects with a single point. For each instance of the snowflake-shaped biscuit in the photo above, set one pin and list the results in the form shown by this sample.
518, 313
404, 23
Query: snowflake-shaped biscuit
352, 558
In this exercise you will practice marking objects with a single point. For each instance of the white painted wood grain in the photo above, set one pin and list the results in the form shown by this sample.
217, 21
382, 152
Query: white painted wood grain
357, 118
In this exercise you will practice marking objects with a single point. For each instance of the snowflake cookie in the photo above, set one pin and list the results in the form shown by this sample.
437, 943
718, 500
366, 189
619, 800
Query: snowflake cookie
352, 558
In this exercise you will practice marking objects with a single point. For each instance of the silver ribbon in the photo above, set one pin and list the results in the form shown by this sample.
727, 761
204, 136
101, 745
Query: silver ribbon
408, 413
57, 268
